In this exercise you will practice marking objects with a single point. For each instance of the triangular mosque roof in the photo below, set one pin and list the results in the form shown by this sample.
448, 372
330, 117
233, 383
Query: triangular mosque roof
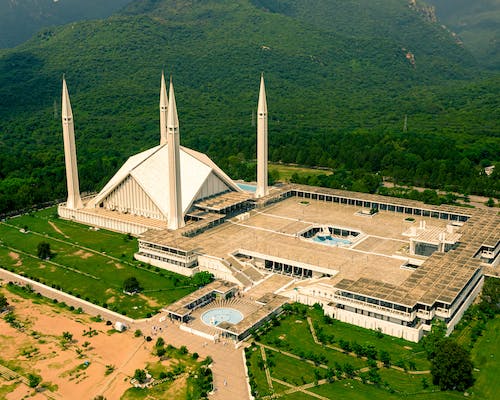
150, 170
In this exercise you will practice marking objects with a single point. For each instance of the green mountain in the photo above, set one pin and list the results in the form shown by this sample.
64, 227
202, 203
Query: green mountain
20, 19
341, 75
477, 24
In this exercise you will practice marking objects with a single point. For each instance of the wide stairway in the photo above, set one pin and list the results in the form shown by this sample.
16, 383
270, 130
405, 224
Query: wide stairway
249, 273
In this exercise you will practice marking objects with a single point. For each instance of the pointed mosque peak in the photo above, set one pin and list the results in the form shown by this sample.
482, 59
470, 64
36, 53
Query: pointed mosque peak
66, 104
262, 106
163, 93
172, 117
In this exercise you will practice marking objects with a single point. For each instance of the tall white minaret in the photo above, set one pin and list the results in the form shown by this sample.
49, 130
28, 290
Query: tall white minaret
262, 188
175, 214
163, 110
74, 200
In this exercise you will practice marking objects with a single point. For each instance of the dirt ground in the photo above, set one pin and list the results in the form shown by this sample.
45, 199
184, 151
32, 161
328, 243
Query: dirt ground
39, 349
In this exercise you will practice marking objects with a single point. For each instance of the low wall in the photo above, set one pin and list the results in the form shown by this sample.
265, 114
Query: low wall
188, 329
388, 328
167, 266
70, 300
89, 218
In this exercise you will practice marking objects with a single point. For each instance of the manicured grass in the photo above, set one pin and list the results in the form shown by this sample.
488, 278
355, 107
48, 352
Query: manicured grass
291, 370
298, 396
486, 358
355, 390
47, 222
406, 383
255, 368
286, 171
293, 335
399, 349
97, 277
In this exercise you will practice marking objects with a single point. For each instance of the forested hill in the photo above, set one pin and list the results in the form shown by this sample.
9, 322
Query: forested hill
340, 75
477, 23
20, 19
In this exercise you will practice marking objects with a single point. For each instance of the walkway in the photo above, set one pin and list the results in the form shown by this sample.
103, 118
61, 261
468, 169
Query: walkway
228, 362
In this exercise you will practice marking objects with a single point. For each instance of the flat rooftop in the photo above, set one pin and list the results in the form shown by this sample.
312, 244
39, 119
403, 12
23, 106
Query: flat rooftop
372, 264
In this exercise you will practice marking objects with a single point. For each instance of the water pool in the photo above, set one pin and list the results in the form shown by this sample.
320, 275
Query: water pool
331, 240
247, 187
217, 315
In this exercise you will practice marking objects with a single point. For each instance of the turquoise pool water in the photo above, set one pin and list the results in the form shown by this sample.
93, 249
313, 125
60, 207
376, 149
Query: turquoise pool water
331, 240
217, 315
247, 188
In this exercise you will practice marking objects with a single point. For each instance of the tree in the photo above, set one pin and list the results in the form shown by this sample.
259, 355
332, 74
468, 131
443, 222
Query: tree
349, 370
131, 285
140, 375
490, 297
202, 278
67, 336
432, 340
43, 251
385, 357
3, 302
451, 367
33, 380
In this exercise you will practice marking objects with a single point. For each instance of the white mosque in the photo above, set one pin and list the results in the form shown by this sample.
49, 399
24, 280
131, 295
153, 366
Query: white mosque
378, 262
156, 188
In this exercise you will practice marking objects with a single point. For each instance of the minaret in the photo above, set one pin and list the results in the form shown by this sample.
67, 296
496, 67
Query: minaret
175, 215
74, 200
163, 110
262, 188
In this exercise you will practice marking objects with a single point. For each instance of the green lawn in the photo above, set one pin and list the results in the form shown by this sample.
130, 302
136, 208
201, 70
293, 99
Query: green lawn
486, 358
48, 223
97, 277
355, 390
292, 335
286, 171
291, 370
399, 349
255, 368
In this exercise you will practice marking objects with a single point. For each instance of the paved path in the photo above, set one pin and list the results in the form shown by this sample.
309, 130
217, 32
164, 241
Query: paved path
228, 362
302, 388
266, 369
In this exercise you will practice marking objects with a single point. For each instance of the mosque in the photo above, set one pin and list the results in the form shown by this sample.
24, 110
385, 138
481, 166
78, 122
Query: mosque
378, 262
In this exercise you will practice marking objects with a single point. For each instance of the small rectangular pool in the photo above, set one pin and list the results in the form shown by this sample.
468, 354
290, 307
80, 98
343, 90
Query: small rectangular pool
331, 240
247, 187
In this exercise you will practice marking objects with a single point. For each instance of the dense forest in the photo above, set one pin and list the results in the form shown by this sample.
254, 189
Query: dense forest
342, 77
477, 24
20, 19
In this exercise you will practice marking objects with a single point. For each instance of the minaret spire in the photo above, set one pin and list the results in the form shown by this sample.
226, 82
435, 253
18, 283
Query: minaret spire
163, 110
74, 200
262, 188
175, 215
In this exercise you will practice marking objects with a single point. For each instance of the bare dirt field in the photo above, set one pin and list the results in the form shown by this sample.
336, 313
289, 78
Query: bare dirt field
39, 348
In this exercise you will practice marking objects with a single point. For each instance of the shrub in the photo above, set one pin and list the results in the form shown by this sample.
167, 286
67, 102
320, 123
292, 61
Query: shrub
140, 375
34, 380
